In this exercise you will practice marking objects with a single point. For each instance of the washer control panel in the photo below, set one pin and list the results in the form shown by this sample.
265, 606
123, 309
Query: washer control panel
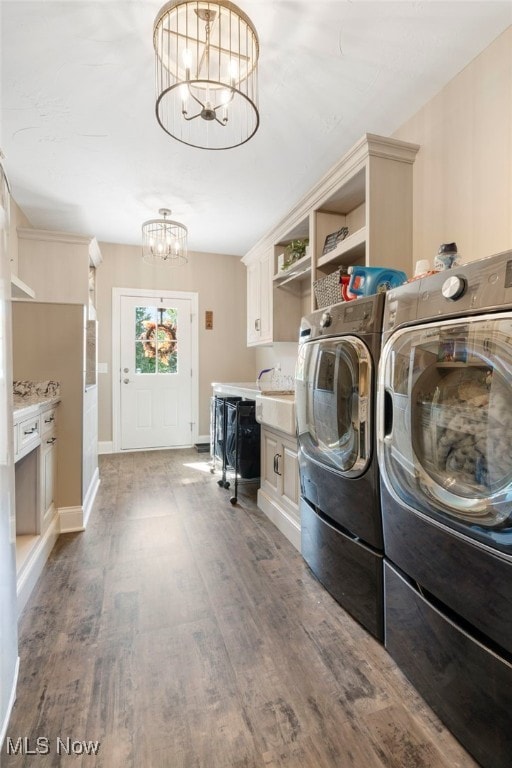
454, 287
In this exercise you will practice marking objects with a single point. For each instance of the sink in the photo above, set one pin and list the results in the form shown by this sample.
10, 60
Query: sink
277, 411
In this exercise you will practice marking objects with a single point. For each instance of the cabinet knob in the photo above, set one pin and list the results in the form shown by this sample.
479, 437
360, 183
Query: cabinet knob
126, 381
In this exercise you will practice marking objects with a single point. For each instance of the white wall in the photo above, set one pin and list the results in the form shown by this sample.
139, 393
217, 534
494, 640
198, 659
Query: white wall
220, 282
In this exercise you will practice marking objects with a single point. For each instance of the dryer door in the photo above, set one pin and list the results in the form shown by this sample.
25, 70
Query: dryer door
445, 424
333, 399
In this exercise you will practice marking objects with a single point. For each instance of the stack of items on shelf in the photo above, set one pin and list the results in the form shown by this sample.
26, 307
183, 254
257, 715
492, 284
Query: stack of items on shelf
348, 283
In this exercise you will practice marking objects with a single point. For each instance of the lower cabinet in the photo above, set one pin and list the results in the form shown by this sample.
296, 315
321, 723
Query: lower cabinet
278, 495
35, 472
48, 470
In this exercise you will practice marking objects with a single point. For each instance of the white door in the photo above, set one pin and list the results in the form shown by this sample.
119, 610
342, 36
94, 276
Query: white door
156, 372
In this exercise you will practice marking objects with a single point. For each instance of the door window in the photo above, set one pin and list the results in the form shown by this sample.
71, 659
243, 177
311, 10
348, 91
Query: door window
447, 439
332, 396
156, 340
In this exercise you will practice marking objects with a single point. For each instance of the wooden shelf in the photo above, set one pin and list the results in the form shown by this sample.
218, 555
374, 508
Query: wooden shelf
298, 272
351, 249
369, 191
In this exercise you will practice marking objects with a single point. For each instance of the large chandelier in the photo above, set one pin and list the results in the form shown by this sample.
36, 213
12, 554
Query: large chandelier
164, 240
206, 73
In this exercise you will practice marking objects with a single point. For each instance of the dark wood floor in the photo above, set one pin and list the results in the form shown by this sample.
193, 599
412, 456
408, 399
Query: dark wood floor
182, 632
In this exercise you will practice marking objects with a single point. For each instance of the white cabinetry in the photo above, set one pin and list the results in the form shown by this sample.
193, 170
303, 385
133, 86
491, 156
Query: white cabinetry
278, 495
259, 312
37, 525
369, 191
48, 467
271, 316
49, 342
27, 435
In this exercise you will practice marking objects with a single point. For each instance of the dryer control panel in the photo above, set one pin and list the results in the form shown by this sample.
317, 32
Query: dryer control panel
359, 316
480, 286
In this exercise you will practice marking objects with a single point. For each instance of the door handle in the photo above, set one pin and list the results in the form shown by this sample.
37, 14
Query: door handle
126, 381
388, 413
277, 456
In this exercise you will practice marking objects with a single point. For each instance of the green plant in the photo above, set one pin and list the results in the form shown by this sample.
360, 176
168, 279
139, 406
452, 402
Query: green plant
294, 251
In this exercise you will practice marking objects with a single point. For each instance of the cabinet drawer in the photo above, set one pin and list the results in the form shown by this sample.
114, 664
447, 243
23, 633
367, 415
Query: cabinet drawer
48, 421
29, 435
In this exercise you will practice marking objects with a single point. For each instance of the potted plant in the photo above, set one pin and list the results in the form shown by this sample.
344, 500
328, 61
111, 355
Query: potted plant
294, 251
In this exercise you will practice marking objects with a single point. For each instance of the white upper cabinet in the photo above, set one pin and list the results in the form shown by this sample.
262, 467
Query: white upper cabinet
359, 213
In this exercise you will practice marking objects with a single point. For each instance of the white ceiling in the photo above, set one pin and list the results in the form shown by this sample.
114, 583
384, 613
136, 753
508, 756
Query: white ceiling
84, 152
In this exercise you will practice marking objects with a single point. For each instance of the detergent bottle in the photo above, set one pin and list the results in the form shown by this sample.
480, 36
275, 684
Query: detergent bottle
365, 281
345, 295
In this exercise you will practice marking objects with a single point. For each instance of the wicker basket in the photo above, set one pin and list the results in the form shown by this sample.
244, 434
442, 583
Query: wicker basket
328, 289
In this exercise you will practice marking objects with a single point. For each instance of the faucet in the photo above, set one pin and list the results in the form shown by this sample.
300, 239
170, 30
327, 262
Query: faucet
265, 370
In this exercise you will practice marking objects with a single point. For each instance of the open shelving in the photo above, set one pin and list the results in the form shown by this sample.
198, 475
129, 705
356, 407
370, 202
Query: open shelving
369, 191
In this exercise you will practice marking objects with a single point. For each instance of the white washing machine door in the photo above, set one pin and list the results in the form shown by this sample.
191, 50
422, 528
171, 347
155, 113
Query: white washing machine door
445, 421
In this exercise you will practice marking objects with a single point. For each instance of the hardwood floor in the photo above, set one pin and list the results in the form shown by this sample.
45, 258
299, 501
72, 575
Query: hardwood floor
179, 631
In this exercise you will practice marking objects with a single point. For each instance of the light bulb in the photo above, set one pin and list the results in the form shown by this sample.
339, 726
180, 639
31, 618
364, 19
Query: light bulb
233, 71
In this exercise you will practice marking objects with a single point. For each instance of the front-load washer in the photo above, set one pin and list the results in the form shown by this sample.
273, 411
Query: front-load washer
444, 409
341, 532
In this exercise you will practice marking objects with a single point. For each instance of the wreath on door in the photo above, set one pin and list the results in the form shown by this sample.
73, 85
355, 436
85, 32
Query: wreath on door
161, 337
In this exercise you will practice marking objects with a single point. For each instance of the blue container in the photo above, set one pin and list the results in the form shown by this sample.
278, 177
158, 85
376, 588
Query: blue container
365, 281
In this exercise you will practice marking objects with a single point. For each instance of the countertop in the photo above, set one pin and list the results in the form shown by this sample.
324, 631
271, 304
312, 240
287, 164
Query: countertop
26, 405
247, 389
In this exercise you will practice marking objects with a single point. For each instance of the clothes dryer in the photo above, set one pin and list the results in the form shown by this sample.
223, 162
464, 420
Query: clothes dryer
341, 531
445, 452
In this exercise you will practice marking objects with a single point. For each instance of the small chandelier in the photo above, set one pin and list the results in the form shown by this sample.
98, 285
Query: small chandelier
206, 73
164, 240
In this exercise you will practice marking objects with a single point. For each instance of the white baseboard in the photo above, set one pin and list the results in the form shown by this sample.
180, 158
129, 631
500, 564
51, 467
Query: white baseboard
281, 519
91, 495
203, 439
105, 446
10, 705
35, 562
71, 519
74, 519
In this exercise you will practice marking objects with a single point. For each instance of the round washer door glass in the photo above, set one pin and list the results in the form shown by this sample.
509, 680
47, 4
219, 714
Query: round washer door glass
333, 396
445, 440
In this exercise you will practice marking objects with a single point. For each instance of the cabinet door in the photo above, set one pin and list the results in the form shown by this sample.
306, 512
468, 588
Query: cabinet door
48, 475
259, 299
265, 314
270, 448
253, 302
289, 468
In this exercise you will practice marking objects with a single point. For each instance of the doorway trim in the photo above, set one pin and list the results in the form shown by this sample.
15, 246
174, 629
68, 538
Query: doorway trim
117, 293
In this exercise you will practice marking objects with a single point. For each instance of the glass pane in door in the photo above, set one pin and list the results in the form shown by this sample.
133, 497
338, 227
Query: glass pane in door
450, 445
156, 340
333, 383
